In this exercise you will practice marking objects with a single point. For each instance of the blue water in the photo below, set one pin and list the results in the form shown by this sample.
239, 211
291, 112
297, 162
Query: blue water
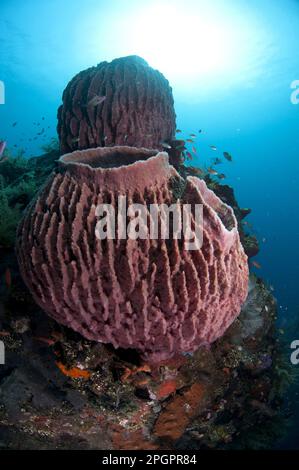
230, 65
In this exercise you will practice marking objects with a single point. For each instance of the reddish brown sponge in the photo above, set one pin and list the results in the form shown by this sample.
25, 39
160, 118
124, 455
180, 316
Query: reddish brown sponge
138, 109
151, 295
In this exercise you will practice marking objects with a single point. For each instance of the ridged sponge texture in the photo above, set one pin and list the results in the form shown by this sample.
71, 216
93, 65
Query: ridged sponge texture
152, 295
135, 107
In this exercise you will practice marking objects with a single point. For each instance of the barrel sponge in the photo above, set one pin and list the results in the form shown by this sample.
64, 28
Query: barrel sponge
138, 107
152, 295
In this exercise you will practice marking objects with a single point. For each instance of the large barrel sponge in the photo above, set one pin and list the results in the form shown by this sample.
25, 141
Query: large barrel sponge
155, 296
138, 108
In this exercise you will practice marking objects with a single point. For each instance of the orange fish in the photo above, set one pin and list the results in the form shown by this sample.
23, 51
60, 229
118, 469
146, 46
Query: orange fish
8, 278
74, 372
190, 140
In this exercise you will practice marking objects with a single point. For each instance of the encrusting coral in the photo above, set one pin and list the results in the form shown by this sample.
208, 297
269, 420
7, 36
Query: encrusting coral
153, 295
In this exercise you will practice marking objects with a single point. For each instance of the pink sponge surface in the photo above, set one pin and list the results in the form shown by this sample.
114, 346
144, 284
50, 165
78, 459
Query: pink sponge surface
151, 295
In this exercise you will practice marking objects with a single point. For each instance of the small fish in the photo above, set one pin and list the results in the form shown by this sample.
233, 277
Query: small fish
4, 333
48, 341
14, 124
178, 131
192, 135
96, 101
200, 131
193, 149
248, 224
212, 171
213, 147
221, 176
256, 265
43, 118
2, 147
227, 156
190, 140
75, 140
197, 171
165, 145
189, 156
180, 147
217, 161
7, 277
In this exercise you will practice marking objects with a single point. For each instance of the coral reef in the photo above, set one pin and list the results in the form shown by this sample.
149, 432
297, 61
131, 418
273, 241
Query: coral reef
153, 295
59, 390
124, 102
20, 179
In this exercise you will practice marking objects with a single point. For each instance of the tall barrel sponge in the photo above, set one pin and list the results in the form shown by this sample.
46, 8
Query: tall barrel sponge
155, 296
138, 108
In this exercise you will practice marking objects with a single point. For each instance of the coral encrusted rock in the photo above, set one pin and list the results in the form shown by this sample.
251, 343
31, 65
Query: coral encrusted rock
124, 102
157, 296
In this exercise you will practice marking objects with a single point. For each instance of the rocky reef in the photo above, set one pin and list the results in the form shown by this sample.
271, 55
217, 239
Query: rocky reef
59, 390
